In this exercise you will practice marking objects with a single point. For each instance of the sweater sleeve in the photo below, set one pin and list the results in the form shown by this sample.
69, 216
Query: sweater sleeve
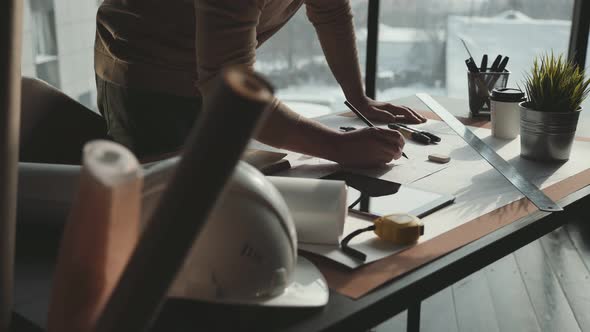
226, 35
332, 20
282, 124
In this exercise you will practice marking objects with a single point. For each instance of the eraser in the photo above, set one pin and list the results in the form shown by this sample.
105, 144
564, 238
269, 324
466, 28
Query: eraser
439, 158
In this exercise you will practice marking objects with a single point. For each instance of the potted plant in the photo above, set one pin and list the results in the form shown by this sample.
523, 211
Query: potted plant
555, 89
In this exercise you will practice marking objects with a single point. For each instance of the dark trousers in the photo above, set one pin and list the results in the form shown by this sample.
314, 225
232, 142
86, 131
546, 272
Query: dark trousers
148, 123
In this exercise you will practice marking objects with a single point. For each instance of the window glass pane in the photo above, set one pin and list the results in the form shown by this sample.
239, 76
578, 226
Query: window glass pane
44, 33
48, 70
420, 49
294, 62
58, 45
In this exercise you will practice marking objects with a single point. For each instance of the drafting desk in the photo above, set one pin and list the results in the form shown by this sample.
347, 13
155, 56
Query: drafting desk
406, 292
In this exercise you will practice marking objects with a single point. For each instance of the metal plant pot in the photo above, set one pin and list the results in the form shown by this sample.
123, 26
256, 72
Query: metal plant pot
547, 136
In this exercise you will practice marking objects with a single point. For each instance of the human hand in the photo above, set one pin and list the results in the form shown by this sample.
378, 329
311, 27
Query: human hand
386, 112
367, 147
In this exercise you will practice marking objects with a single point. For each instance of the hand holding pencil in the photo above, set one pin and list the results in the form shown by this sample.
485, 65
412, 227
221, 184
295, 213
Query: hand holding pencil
366, 121
367, 147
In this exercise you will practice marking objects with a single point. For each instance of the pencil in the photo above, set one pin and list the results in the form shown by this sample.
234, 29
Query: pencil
365, 120
359, 114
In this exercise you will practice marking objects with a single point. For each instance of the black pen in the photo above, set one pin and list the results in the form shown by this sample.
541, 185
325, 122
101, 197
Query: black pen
499, 69
471, 66
496, 63
433, 137
503, 64
410, 134
365, 120
484, 63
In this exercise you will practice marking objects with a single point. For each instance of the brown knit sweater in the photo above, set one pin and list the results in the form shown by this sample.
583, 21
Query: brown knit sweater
178, 46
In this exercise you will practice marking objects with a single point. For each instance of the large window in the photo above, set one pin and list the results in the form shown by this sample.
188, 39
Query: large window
420, 49
294, 62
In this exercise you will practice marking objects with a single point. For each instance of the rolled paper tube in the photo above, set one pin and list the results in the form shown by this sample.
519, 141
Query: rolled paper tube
46, 192
318, 207
231, 116
158, 174
100, 234
10, 101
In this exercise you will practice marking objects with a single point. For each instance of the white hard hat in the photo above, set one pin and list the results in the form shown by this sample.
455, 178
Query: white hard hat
247, 251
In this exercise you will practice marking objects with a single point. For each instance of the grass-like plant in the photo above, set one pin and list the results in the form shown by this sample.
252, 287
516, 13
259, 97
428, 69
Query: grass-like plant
555, 85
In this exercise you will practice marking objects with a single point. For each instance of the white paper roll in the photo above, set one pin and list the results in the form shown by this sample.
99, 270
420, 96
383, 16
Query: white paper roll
46, 191
318, 207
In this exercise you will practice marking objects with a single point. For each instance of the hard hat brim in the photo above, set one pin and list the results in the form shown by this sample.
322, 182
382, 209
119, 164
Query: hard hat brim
308, 289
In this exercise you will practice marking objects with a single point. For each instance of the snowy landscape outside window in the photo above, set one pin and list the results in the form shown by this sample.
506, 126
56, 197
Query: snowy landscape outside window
419, 48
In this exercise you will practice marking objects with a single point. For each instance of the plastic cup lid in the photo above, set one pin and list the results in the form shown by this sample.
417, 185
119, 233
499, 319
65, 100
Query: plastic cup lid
507, 95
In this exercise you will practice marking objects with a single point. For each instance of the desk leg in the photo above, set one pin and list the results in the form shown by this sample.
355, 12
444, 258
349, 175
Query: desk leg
414, 317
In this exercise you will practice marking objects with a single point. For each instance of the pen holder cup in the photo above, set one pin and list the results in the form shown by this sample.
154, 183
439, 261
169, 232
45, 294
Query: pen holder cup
480, 88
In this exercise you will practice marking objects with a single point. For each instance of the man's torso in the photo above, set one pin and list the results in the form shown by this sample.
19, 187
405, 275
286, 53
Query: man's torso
151, 43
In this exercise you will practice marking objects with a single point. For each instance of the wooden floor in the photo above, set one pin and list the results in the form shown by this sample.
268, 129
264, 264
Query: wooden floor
544, 286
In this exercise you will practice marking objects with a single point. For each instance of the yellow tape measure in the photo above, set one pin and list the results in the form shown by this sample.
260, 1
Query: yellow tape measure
401, 228
398, 228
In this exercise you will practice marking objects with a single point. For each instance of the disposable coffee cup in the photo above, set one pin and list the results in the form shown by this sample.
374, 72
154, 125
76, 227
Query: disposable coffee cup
505, 113
318, 207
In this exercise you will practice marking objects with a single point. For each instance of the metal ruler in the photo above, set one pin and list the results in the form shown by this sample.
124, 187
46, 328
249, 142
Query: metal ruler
528, 189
